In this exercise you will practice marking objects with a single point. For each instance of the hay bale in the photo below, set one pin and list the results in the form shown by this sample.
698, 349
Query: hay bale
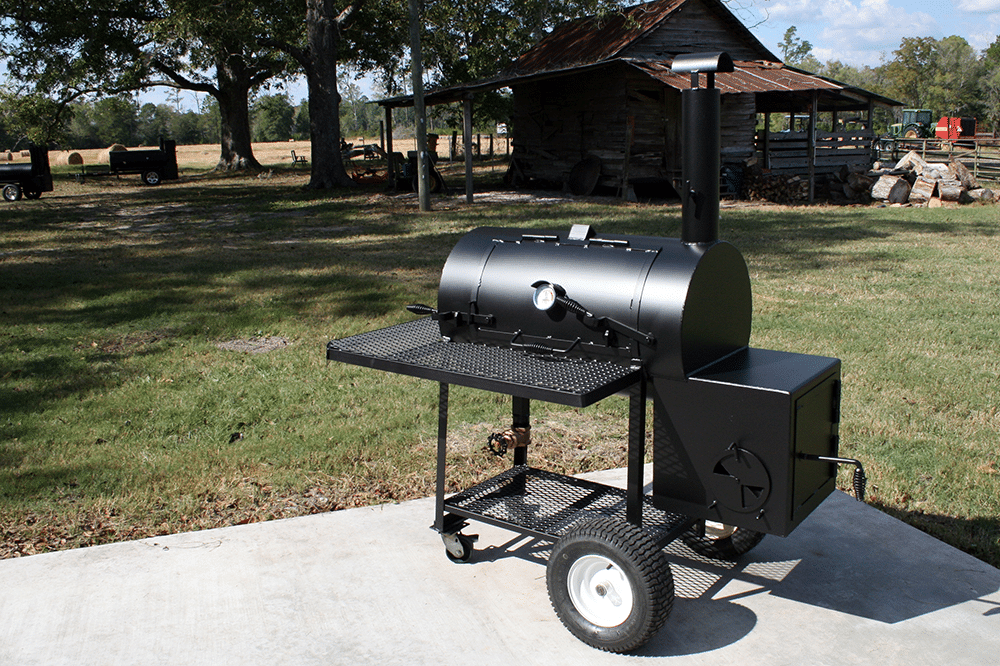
105, 155
70, 158
7, 156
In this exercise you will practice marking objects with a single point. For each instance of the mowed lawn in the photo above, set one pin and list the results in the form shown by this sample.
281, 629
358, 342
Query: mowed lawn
162, 354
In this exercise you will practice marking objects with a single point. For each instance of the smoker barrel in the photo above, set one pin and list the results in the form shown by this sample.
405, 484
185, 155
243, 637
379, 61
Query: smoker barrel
672, 306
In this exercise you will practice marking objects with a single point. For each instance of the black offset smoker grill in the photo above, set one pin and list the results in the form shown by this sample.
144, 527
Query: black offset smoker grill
744, 440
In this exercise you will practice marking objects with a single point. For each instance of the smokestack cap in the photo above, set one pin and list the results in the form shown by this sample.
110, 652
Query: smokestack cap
703, 62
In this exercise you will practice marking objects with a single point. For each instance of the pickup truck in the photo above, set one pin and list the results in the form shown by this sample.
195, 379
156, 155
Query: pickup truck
27, 179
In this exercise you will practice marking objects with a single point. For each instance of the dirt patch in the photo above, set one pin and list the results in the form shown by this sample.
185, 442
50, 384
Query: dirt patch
260, 345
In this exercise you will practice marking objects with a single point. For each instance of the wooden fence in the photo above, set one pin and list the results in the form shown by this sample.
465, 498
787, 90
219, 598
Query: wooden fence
789, 152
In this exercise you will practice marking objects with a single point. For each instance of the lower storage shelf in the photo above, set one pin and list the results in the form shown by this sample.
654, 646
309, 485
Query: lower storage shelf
546, 505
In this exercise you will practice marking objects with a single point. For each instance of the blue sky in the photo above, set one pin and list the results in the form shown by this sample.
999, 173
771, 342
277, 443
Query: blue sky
864, 32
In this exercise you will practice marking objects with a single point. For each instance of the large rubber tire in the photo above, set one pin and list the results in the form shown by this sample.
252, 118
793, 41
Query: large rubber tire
610, 585
151, 177
722, 542
32, 194
12, 192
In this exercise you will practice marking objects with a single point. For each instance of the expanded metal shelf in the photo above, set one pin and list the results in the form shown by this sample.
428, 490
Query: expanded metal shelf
546, 505
416, 348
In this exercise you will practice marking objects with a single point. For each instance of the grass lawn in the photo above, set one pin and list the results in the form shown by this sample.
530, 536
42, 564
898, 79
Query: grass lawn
130, 406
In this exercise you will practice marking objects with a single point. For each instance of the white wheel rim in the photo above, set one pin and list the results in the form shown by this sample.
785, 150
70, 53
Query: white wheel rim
600, 591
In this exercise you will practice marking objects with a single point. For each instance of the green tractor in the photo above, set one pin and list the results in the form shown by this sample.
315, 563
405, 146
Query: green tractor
916, 125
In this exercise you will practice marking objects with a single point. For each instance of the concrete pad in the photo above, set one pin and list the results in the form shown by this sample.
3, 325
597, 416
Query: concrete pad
373, 586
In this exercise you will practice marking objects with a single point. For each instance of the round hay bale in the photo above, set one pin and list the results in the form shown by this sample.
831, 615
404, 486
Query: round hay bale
105, 156
71, 158
6, 156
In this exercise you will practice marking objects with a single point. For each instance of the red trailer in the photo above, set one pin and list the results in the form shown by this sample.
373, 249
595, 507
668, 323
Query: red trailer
952, 129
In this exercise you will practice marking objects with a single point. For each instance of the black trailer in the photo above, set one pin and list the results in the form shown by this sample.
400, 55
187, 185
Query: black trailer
745, 441
154, 165
27, 179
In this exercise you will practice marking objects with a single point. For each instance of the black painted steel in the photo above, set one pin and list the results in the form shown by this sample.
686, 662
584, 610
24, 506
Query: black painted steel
546, 505
672, 306
32, 177
741, 436
416, 348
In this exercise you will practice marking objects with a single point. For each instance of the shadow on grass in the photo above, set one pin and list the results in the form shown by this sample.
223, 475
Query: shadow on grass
979, 536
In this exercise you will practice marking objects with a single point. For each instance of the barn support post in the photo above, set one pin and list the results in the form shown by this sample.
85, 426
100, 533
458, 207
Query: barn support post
467, 144
813, 119
390, 157
417, 76
767, 139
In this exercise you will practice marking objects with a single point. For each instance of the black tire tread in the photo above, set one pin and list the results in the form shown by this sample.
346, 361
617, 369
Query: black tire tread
653, 568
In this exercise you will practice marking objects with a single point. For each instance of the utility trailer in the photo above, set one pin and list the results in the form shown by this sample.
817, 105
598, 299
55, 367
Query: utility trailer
27, 179
153, 165
745, 441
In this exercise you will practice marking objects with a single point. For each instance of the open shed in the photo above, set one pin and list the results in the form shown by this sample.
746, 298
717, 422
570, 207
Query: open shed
600, 93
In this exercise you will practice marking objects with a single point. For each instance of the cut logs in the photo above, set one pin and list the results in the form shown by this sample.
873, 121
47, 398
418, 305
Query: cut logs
917, 182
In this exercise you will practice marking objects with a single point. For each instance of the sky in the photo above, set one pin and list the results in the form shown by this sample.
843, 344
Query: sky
857, 32
866, 32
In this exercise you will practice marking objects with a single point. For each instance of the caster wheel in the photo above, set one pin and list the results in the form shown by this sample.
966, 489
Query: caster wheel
721, 542
610, 585
459, 547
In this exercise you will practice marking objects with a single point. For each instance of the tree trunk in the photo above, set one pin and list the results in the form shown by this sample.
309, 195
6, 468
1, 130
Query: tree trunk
324, 99
234, 83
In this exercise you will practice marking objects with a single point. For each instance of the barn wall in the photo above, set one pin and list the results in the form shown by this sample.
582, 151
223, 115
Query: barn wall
738, 121
557, 122
693, 29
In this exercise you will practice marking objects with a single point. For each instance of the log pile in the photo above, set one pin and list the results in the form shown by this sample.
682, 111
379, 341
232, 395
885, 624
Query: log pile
761, 185
852, 184
916, 182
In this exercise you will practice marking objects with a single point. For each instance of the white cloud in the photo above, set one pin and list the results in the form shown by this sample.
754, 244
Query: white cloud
978, 6
858, 32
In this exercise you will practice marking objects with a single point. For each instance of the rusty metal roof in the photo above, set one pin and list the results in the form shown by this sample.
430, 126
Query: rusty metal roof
593, 39
600, 38
756, 76
769, 77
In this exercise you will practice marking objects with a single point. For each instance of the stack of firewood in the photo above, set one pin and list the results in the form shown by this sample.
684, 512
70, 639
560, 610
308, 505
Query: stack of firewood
763, 185
917, 182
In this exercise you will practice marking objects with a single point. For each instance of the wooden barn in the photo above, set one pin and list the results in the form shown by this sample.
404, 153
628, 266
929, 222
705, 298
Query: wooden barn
598, 95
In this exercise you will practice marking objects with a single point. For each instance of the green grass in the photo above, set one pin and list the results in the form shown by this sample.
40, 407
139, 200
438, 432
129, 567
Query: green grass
120, 416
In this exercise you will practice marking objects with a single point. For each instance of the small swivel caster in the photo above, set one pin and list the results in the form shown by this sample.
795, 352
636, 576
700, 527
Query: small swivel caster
458, 547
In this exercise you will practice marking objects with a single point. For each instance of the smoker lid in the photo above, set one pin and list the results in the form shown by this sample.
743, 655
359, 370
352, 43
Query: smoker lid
416, 348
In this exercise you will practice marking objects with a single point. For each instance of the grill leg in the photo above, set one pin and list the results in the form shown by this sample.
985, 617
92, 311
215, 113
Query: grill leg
636, 452
442, 452
521, 419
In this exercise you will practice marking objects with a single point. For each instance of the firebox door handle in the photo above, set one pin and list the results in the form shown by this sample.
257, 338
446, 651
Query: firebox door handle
860, 481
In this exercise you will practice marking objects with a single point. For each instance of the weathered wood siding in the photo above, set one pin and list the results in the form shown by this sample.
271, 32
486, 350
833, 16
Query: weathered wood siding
738, 117
559, 121
694, 29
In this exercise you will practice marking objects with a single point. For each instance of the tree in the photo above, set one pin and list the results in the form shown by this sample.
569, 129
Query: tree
953, 88
990, 85
69, 49
273, 116
798, 52
911, 70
